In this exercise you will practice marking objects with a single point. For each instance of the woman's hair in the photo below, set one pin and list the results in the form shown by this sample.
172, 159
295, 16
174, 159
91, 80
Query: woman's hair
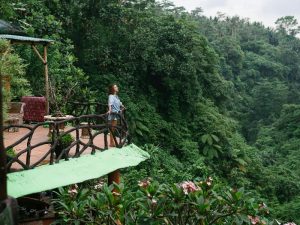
111, 90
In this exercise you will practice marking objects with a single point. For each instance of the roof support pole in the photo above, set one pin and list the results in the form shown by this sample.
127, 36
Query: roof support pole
46, 79
44, 59
37, 53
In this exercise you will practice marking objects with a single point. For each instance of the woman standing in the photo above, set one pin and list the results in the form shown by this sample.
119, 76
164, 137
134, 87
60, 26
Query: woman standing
114, 106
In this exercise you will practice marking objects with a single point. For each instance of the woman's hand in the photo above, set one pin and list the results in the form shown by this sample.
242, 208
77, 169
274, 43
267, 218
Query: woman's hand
109, 109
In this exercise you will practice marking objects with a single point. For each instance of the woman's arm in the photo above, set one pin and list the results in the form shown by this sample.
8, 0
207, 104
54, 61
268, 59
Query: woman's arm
122, 106
110, 102
109, 109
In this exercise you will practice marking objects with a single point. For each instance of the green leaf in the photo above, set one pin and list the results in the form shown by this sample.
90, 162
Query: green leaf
204, 138
209, 140
139, 132
215, 138
241, 161
142, 127
205, 150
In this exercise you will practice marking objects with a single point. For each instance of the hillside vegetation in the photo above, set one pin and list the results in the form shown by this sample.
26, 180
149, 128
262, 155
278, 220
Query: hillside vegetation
215, 97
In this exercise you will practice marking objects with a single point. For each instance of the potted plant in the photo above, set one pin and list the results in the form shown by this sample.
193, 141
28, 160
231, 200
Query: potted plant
10, 154
64, 142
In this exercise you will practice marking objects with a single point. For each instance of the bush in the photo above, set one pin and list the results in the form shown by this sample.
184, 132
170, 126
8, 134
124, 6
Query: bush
12, 69
154, 203
64, 142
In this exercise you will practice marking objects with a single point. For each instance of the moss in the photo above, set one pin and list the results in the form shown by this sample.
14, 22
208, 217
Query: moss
10, 152
66, 140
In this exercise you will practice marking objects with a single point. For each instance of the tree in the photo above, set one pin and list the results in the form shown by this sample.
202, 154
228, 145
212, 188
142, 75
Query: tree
288, 25
12, 69
6, 9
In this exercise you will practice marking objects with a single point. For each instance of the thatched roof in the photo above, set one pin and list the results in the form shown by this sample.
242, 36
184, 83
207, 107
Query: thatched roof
7, 28
15, 35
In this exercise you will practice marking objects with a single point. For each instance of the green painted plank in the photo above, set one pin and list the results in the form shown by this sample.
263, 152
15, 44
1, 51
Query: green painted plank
75, 170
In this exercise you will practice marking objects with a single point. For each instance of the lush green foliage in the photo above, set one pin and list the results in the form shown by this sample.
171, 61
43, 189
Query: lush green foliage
12, 69
218, 96
153, 203
67, 82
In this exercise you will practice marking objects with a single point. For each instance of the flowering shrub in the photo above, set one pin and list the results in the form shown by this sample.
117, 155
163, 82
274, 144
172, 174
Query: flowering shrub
189, 187
152, 203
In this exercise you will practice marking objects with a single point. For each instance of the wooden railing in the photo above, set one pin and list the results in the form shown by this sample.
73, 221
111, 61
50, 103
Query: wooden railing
97, 126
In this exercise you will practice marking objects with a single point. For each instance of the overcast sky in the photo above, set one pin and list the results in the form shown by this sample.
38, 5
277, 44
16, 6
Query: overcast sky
266, 11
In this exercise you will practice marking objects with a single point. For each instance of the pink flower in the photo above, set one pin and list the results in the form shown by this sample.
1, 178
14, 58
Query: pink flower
153, 201
290, 223
116, 193
144, 183
262, 205
209, 181
99, 185
254, 219
188, 187
73, 190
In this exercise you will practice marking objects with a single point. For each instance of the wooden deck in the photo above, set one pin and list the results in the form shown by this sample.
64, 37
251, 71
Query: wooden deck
40, 135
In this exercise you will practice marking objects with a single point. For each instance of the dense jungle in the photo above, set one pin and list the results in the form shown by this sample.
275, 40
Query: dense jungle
210, 98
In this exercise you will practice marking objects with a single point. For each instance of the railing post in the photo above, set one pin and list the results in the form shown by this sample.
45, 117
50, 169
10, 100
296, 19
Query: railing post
115, 176
8, 206
3, 188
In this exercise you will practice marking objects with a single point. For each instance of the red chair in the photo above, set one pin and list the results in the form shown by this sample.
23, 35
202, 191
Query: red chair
34, 109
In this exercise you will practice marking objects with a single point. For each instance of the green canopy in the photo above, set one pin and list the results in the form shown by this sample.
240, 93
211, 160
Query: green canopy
75, 170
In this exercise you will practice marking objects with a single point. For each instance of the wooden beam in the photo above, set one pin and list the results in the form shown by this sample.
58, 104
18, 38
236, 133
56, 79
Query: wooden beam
46, 79
5, 53
44, 59
38, 53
